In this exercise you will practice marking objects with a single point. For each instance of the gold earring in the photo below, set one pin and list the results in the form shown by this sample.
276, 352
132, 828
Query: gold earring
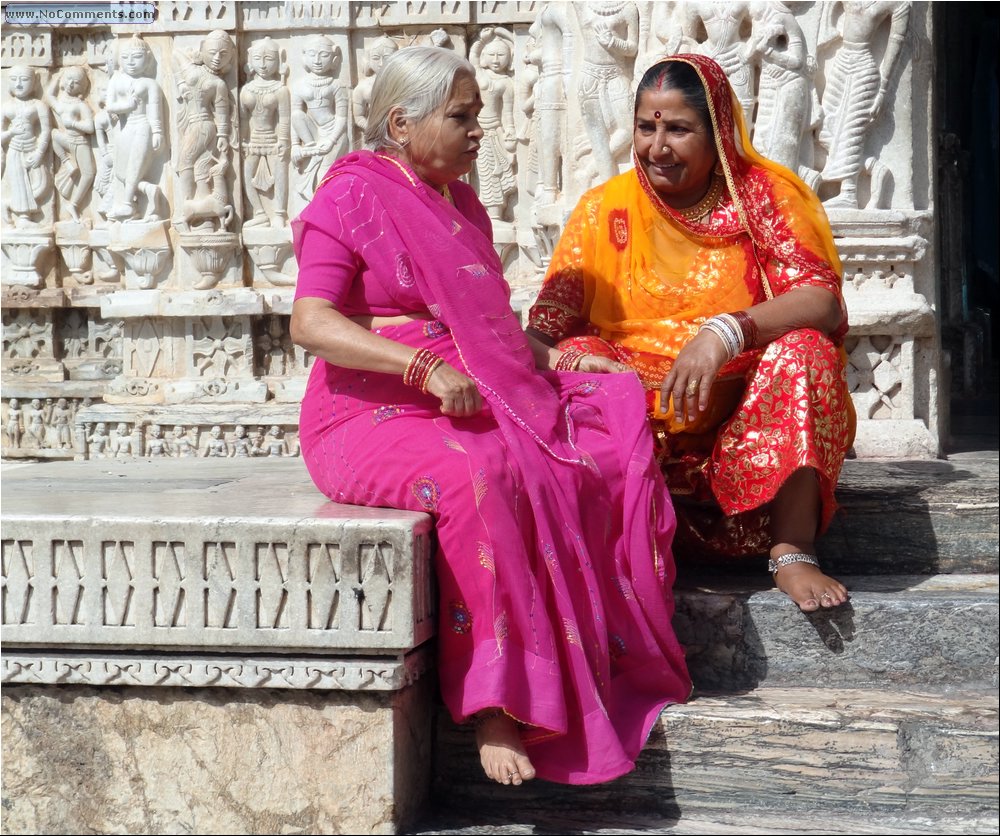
719, 170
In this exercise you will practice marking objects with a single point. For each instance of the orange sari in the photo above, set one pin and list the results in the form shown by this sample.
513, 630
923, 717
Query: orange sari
632, 279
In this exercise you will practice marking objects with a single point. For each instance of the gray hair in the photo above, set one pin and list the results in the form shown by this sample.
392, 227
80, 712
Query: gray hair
417, 79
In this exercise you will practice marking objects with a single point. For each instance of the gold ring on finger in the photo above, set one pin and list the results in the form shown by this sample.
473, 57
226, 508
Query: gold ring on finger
692, 387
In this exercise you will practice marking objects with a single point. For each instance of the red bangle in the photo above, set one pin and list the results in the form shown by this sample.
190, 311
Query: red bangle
569, 360
748, 327
420, 368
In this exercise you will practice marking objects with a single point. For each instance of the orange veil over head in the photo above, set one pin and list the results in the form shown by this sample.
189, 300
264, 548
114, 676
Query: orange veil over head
670, 273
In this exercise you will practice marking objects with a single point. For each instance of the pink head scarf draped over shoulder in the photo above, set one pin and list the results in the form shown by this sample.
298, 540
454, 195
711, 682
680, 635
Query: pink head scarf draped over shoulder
460, 277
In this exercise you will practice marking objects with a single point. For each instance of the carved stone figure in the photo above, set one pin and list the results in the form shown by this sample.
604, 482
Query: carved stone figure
12, 426
785, 92
527, 131
375, 56
666, 36
275, 444
553, 40
242, 447
721, 20
99, 440
121, 446
319, 113
856, 87
265, 107
134, 103
186, 447
611, 33
157, 446
492, 55
34, 424
216, 447
71, 141
62, 425
25, 137
205, 124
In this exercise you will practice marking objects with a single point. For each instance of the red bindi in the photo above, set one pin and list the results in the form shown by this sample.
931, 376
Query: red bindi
656, 113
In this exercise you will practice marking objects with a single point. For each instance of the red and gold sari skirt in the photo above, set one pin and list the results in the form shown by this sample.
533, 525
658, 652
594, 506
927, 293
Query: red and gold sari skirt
789, 409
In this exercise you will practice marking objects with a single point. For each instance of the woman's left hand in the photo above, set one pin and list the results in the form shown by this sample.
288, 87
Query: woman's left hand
689, 382
595, 364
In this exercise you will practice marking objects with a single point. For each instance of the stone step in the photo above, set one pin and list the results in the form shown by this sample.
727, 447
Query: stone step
517, 820
896, 630
918, 517
894, 760
895, 517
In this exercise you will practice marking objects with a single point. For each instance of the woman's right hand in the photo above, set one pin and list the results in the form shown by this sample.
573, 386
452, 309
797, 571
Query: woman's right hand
459, 396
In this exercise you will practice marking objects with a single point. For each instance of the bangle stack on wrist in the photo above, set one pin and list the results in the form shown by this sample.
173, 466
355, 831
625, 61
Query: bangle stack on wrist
569, 360
737, 331
420, 368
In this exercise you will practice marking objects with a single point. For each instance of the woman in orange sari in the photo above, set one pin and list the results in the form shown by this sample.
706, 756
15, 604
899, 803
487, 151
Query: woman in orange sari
712, 272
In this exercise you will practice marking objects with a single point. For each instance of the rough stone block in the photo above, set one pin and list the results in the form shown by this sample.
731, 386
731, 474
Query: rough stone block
170, 760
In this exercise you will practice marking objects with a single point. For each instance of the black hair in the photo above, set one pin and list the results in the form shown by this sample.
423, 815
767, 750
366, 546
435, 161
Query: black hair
677, 75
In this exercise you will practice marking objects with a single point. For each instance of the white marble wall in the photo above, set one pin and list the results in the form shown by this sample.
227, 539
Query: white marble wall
150, 173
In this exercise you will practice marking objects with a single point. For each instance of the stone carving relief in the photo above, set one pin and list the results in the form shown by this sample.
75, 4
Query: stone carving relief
205, 124
375, 56
71, 141
786, 103
41, 427
551, 37
855, 90
133, 125
875, 374
219, 348
358, 592
492, 55
205, 671
206, 210
265, 107
143, 164
610, 32
26, 137
719, 28
319, 113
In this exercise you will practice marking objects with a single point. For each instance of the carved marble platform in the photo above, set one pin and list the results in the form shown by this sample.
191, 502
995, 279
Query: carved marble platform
196, 627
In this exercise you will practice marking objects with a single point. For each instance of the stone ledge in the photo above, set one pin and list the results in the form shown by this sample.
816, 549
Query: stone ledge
168, 556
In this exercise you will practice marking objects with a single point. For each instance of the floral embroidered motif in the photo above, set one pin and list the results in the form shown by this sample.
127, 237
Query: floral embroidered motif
427, 491
477, 271
435, 328
486, 556
618, 228
404, 270
461, 618
384, 413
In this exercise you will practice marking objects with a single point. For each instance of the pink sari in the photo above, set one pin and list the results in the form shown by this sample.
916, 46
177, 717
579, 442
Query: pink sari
553, 564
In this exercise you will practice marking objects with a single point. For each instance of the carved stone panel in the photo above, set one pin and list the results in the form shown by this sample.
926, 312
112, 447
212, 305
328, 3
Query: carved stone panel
174, 584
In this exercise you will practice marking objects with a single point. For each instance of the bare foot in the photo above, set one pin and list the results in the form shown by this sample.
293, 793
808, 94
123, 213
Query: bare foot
500, 749
808, 587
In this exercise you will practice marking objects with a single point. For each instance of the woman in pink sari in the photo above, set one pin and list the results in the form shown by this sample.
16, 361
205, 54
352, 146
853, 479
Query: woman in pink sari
553, 563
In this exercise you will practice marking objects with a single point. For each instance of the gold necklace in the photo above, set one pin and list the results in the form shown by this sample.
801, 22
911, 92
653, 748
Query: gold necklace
706, 204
